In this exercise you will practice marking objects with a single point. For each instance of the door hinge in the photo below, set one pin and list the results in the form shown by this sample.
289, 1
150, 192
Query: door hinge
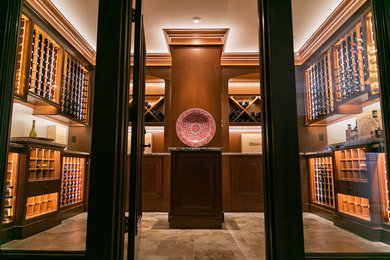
132, 15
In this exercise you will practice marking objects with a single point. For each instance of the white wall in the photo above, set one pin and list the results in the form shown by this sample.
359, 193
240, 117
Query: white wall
22, 121
336, 132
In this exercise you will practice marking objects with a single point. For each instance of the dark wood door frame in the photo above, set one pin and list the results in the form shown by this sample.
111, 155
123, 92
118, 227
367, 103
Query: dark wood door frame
282, 200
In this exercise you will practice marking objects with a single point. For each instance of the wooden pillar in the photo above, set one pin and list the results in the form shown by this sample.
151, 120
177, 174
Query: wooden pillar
195, 77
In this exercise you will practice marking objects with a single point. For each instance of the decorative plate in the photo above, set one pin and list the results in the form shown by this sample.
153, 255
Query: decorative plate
195, 127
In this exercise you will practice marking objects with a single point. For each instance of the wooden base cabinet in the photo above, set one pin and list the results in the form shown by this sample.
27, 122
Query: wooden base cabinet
196, 188
44, 185
243, 182
349, 185
155, 182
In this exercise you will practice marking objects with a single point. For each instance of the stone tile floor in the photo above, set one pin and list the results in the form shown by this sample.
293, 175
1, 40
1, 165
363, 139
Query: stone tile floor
241, 238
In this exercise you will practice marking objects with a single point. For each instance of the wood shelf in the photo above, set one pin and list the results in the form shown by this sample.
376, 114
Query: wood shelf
344, 110
322, 181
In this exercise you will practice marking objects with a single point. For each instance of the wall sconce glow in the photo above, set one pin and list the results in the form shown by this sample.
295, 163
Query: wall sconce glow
196, 19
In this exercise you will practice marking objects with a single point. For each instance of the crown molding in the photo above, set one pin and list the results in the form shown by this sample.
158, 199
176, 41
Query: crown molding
196, 37
336, 19
54, 17
228, 59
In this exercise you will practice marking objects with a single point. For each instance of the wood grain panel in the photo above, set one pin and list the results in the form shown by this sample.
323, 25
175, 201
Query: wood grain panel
196, 190
246, 183
196, 83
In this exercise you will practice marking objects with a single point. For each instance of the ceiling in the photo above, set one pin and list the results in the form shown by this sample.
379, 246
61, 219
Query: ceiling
240, 16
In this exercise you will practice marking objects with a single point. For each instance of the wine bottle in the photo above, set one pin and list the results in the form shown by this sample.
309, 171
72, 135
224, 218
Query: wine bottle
32, 131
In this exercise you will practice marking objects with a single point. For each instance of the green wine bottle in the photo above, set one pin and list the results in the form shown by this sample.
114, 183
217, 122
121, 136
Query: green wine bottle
32, 132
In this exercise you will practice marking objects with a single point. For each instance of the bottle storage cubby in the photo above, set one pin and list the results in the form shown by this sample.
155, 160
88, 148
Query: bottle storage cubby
319, 88
244, 109
44, 66
322, 181
43, 164
352, 165
154, 109
74, 92
21, 56
355, 206
72, 183
41, 205
10, 188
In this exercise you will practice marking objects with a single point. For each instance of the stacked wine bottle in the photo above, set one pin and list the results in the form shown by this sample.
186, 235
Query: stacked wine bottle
239, 115
43, 70
158, 114
74, 96
351, 71
319, 89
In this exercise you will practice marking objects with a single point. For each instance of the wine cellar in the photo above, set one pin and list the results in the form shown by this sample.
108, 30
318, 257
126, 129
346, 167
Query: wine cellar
348, 180
341, 134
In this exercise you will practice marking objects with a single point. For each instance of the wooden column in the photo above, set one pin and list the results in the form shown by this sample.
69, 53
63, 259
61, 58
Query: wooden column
195, 77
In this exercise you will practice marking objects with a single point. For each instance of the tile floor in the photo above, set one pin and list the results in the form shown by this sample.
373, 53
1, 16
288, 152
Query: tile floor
241, 238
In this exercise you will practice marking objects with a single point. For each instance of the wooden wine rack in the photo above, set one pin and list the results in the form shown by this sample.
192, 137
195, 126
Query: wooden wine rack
45, 63
319, 89
44, 164
321, 169
372, 79
74, 93
21, 59
10, 188
244, 109
349, 55
353, 165
351, 58
355, 206
154, 111
72, 184
41, 205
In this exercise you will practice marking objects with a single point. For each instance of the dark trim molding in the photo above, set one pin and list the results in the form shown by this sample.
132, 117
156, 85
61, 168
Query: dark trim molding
381, 14
10, 12
106, 208
342, 256
283, 209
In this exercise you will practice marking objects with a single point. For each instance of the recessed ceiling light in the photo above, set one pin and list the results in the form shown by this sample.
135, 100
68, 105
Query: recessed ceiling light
196, 19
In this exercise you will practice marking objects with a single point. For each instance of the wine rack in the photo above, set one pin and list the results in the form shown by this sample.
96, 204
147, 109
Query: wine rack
353, 165
74, 94
72, 184
244, 109
43, 164
319, 89
45, 53
41, 205
355, 206
10, 188
322, 181
21, 58
350, 69
152, 110
372, 71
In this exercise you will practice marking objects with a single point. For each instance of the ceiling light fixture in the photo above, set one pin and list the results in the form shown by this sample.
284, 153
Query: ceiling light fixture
196, 19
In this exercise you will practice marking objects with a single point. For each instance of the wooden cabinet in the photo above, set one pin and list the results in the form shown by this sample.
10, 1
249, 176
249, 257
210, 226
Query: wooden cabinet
155, 182
44, 186
196, 188
243, 182
349, 184
38, 186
